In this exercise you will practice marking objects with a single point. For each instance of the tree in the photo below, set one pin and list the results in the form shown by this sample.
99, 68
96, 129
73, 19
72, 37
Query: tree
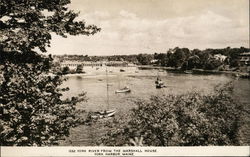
65, 70
212, 64
144, 59
32, 111
162, 58
190, 119
178, 57
79, 68
193, 62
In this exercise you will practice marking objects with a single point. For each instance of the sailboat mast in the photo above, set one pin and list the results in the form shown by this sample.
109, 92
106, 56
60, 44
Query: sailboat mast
119, 84
107, 87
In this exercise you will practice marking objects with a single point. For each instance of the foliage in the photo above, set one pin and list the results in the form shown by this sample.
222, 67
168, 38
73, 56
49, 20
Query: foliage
65, 70
212, 64
178, 57
201, 59
185, 120
193, 62
144, 59
79, 69
162, 59
32, 111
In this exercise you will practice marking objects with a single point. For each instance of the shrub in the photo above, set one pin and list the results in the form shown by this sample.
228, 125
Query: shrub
190, 119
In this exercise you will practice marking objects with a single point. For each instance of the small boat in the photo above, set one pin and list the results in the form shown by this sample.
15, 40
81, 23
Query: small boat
237, 75
102, 114
123, 90
188, 71
159, 83
122, 70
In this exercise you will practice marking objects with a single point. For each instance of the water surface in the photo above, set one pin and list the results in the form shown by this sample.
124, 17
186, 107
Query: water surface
141, 83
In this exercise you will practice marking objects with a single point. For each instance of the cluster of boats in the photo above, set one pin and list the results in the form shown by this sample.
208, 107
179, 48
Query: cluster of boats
111, 112
108, 112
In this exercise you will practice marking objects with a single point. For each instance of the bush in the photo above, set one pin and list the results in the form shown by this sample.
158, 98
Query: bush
190, 119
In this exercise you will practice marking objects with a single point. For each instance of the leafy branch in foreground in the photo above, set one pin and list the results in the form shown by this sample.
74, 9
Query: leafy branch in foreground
32, 111
190, 119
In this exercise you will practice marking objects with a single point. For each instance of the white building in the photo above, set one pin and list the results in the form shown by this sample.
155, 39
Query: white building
220, 57
74, 64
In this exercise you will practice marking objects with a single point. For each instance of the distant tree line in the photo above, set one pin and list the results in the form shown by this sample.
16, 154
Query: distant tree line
182, 58
202, 59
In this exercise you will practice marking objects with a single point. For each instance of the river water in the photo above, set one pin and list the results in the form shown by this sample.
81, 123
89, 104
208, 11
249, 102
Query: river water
141, 83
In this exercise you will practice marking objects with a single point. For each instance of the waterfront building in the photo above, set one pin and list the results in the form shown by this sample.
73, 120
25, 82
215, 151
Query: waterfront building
244, 61
74, 64
116, 63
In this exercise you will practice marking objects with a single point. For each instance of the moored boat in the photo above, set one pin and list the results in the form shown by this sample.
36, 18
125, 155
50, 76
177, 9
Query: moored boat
102, 114
159, 83
188, 71
106, 113
123, 90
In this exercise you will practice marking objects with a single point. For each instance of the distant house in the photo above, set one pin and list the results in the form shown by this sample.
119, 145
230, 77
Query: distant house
220, 57
244, 60
154, 61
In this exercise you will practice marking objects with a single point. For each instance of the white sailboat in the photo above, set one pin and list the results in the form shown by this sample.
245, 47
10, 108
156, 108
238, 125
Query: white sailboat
125, 89
108, 112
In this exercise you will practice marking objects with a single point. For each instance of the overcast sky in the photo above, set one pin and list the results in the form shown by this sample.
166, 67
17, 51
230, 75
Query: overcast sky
148, 26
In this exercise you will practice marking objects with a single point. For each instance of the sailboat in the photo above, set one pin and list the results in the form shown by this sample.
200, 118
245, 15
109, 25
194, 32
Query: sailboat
108, 112
158, 82
126, 89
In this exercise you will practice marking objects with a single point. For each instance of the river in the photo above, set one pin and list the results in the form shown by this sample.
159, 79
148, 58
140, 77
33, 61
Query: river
141, 83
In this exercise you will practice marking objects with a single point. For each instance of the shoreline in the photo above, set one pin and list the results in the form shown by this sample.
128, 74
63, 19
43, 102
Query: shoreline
169, 69
198, 71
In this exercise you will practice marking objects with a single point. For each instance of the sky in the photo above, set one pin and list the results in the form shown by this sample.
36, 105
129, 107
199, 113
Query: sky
149, 26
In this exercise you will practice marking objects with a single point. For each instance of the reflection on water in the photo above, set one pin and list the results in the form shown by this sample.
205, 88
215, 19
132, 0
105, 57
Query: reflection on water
142, 87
